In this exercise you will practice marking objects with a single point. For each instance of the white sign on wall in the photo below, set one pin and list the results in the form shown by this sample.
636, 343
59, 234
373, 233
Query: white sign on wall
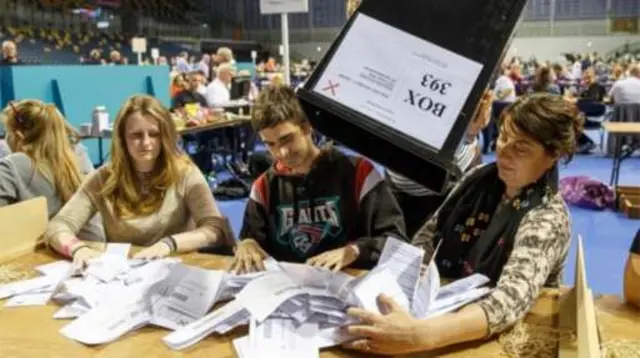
399, 80
139, 45
283, 6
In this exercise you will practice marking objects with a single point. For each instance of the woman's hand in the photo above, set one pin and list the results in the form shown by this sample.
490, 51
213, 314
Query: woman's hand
249, 257
396, 332
82, 256
335, 260
158, 250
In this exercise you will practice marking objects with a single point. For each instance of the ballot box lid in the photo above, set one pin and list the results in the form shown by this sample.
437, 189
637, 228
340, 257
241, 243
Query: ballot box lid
402, 80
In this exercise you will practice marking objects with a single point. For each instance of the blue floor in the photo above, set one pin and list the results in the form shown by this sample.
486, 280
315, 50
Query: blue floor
607, 235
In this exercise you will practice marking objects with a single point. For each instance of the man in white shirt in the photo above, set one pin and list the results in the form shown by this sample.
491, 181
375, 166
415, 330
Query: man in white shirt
627, 90
218, 91
505, 89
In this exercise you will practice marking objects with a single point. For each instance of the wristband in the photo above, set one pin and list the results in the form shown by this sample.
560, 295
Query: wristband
73, 252
171, 242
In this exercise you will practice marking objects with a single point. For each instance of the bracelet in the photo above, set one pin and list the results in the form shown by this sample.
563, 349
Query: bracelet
171, 242
73, 252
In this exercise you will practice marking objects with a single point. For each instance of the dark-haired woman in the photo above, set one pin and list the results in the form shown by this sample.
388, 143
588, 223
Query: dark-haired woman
505, 220
632, 274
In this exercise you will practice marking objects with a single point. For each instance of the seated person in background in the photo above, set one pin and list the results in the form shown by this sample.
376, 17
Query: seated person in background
505, 90
593, 90
419, 203
632, 274
544, 82
149, 194
41, 161
178, 84
505, 220
218, 91
190, 93
627, 90
315, 204
84, 161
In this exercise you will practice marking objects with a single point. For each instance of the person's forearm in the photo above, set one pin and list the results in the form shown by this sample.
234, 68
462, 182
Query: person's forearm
210, 233
468, 324
65, 244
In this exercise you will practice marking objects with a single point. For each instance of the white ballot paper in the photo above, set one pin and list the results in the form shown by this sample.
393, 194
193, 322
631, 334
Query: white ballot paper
427, 291
293, 310
420, 98
122, 309
118, 249
279, 338
107, 323
233, 313
19, 287
39, 296
107, 267
186, 295
403, 261
377, 282
273, 289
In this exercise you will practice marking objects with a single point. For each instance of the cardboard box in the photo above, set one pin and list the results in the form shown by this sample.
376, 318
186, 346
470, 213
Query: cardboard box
23, 226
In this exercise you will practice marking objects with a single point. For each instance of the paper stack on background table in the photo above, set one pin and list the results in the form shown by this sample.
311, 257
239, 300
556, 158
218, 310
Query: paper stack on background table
292, 310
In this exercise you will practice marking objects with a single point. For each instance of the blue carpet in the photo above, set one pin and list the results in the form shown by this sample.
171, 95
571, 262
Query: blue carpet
607, 235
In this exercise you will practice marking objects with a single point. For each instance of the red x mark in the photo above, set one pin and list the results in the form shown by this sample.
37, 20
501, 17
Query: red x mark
331, 87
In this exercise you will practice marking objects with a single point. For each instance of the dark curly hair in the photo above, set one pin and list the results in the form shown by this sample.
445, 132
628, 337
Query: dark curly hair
548, 119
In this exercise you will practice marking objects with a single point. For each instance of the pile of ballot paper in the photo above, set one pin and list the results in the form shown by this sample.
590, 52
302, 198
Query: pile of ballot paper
291, 309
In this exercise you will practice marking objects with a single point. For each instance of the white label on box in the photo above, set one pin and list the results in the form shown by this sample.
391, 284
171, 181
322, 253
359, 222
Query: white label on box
399, 80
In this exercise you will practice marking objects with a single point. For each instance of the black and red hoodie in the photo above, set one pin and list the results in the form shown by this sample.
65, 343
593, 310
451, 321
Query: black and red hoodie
343, 199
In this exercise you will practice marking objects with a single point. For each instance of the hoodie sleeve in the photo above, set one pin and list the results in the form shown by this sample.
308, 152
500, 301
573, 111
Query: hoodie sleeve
379, 215
255, 224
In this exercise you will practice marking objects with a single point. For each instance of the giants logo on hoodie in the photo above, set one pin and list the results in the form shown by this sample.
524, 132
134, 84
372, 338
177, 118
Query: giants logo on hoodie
312, 224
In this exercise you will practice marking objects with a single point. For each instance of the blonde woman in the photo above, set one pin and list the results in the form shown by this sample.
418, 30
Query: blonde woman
86, 166
150, 194
42, 161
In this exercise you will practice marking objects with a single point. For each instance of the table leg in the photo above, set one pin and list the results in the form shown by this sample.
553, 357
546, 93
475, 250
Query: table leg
615, 171
100, 154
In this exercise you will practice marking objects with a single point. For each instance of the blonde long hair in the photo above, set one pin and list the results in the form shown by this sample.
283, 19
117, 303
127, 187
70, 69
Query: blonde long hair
40, 131
122, 184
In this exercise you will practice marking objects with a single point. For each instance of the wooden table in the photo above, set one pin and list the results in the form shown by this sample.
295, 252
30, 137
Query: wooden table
617, 130
238, 121
27, 332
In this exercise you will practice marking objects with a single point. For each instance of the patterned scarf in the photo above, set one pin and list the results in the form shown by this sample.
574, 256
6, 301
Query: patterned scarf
477, 225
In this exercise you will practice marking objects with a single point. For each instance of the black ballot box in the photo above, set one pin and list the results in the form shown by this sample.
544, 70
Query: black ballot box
402, 79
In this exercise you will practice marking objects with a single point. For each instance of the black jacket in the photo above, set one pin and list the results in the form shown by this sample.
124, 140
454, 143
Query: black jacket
342, 200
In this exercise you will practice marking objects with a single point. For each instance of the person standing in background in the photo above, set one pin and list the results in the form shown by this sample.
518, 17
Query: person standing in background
419, 203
